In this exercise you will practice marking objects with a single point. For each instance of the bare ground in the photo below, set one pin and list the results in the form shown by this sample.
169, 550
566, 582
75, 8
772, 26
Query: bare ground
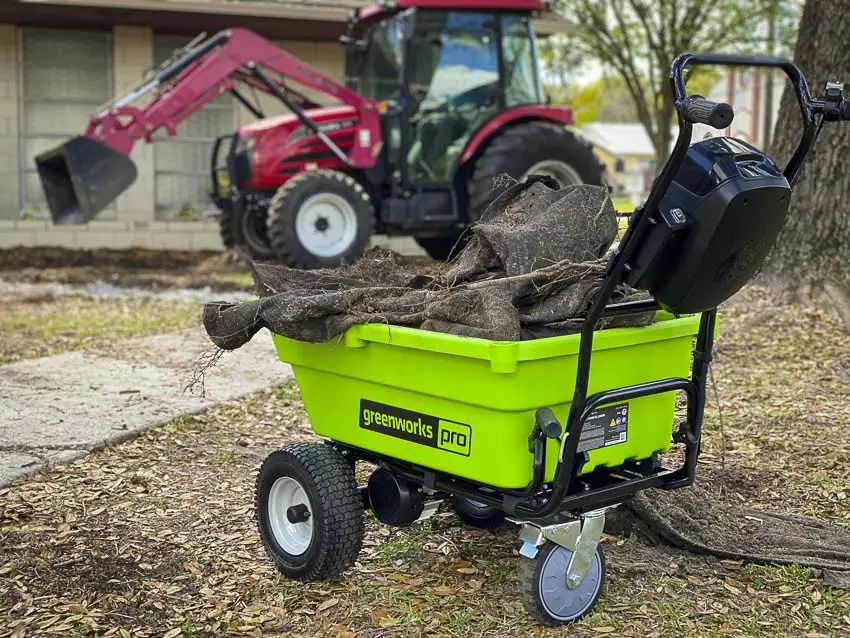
137, 267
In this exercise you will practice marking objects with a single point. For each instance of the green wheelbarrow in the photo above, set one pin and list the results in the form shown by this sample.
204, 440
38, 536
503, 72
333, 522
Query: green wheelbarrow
547, 434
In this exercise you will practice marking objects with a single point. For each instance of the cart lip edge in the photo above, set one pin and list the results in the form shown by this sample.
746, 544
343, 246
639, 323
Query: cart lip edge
503, 355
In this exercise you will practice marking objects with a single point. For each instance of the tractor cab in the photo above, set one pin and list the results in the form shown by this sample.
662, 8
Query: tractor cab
439, 76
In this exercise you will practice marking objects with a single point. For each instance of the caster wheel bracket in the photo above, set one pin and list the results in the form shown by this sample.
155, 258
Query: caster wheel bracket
580, 536
585, 548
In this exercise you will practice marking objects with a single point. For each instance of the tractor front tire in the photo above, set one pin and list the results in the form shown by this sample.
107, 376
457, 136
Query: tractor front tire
531, 148
225, 226
320, 219
249, 234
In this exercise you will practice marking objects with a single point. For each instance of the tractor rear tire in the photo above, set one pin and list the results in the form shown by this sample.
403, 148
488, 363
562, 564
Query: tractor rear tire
320, 219
522, 148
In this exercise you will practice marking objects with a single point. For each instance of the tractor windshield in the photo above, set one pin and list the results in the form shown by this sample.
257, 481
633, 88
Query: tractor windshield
379, 76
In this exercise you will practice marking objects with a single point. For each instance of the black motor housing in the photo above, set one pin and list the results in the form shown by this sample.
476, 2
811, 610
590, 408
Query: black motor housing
714, 227
395, 500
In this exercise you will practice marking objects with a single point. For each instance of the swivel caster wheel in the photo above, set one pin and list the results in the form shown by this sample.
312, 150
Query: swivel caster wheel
546, 593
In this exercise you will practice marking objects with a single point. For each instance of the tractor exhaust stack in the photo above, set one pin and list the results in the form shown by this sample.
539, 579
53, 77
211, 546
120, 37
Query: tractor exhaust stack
81, 178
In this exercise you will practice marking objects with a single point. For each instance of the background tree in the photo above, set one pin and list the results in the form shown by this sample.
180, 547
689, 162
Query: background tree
638, 39
813, 254
608, 99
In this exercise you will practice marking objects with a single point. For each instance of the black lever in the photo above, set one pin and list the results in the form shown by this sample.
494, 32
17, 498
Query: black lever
548, 423
835, 105
698, 110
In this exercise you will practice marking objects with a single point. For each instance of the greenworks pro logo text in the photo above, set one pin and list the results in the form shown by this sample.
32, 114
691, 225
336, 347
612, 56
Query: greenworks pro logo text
416, 427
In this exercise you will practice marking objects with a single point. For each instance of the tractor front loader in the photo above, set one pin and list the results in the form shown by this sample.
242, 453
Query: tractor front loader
442, 99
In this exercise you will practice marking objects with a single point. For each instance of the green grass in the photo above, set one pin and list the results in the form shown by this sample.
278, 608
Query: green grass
46, 325
623, 205
241, 279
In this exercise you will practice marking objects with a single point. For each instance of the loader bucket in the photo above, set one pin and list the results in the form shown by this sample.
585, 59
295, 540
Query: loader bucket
81, 178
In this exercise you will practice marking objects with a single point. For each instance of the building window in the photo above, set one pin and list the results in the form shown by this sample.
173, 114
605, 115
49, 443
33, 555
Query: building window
182, 163
620, 166
65, 76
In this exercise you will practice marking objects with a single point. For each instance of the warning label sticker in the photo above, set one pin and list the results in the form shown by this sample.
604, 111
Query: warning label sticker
605, 426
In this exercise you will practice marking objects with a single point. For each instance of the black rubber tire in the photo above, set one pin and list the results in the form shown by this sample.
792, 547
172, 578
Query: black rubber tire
288, 199
252, 243
529, 582
521, 147
225, 226
336, 507
478, 515
440, 248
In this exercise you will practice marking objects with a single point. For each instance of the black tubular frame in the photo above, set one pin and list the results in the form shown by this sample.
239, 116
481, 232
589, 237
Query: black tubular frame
571, 491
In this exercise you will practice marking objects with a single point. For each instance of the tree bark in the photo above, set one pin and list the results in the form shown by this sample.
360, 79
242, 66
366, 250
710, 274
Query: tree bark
813, 252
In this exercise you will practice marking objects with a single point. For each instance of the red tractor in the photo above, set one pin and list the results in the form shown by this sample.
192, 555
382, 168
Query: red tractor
444, 97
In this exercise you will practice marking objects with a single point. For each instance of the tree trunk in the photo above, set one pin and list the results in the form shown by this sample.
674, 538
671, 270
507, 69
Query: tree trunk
664, 126
813, 253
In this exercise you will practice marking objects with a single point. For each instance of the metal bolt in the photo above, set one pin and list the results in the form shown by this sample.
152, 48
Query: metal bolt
573, 582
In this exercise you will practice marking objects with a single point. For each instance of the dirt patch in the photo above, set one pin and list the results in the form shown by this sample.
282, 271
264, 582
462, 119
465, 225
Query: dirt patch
154, 270
131, 268
20, 258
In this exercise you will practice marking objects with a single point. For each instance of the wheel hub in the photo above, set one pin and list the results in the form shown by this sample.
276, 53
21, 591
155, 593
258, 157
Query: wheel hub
298, 514
322, 224
560, 171
563, 601
290, 517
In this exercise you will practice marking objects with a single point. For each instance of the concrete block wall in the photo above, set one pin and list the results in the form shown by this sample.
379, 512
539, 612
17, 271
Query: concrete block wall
9, 176
132, 56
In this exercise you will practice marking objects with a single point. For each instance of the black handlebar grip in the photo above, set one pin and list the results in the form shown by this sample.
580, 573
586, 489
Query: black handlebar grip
698, 110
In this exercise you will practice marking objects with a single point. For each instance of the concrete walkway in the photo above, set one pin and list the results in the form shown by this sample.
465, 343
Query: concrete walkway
59, 408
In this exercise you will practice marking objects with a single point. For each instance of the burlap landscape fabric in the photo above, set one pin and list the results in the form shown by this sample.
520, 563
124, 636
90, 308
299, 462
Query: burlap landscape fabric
698, 520
530, 269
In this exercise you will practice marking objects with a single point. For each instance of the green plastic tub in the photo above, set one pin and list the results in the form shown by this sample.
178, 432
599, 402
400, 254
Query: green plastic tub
467, 406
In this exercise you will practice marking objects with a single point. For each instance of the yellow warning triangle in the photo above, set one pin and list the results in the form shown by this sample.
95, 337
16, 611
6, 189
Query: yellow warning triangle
613, 423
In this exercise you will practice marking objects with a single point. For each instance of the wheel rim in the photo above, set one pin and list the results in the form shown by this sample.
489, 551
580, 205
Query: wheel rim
255, 232
560, 602
293, 538
560, 171
326, 225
